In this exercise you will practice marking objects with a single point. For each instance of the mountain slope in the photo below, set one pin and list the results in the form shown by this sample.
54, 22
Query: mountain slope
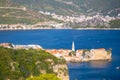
13, 13
65, 7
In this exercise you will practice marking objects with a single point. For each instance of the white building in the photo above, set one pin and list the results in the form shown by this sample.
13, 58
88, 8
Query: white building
73, 46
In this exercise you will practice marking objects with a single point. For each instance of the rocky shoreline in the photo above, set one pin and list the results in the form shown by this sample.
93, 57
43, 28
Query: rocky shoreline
80, 61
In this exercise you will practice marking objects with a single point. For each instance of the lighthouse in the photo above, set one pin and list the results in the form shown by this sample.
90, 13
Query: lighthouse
73, 46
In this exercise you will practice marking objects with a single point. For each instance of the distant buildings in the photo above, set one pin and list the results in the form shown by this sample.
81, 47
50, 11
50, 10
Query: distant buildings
27, 47
79, 21
9, 45
83, 20
40, 25
81, 55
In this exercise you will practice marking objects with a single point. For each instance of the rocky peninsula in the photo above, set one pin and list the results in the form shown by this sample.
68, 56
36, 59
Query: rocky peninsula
82, 55
64, 55
72, 55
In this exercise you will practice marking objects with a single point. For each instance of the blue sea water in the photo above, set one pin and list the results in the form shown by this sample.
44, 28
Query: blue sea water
84, 39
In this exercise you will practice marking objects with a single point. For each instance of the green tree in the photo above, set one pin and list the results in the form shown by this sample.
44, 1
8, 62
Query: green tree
115, 23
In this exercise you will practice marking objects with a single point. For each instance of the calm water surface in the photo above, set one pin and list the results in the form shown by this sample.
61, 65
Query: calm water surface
84, 39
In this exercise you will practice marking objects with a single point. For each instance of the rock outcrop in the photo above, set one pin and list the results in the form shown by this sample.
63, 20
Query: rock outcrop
62, 71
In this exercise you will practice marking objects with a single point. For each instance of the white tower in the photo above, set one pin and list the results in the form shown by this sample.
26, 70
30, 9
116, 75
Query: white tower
73, 46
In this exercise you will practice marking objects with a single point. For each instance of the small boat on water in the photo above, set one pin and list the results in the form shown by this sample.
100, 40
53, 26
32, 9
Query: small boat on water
117, 68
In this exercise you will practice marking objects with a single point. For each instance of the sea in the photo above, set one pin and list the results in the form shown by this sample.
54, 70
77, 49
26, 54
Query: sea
83, 39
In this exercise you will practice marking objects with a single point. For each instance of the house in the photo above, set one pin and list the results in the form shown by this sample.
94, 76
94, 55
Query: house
7, 45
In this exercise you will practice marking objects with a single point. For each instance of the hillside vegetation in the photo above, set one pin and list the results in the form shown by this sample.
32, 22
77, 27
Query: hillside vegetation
11, 16
69, 7
13, 13
21, 64
115, 23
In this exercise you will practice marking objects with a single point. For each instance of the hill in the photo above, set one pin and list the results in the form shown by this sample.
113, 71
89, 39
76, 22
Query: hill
69, 7
13, 13
28, 11
21, 64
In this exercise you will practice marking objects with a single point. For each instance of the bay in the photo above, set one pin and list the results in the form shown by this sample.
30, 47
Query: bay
84, 39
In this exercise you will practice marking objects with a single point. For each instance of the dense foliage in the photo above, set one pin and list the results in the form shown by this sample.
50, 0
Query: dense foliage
115, 23
21, 64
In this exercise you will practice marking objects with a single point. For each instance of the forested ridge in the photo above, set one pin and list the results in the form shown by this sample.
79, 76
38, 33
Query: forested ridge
21, 64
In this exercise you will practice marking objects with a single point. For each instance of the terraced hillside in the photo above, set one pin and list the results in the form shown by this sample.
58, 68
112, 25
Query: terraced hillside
12, 13
65, 7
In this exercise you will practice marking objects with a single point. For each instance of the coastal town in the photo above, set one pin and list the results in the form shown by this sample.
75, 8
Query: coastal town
72, 55
97, 21
84, 20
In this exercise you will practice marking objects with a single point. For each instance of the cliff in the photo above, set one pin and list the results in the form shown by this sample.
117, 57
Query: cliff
62, 71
